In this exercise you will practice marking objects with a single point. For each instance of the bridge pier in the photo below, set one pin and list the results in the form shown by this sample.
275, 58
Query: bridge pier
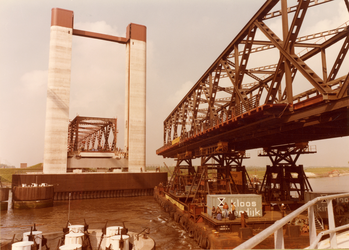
284, 177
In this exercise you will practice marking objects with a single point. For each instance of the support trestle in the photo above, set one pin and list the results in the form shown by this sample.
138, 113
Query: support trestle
284, 180
220, 172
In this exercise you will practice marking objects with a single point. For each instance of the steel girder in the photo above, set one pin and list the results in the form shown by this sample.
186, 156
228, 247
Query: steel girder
91, 134
231, 87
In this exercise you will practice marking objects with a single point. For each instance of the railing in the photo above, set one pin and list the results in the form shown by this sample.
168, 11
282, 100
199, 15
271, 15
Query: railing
277, 227
246, 106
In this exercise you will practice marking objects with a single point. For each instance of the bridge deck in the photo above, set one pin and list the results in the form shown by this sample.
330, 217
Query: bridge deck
271, 124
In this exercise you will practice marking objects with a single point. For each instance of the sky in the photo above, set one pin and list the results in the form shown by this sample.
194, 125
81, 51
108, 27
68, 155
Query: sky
183, 40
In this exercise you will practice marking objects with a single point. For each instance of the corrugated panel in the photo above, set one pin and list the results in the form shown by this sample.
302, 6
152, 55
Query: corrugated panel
251, 203
4, 194
32, 193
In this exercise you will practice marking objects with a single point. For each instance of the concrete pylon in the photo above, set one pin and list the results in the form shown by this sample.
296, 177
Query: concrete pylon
135, 99
58, 92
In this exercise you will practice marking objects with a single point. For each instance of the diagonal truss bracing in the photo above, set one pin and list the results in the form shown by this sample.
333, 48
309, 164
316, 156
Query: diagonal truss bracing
92, 134
264, 67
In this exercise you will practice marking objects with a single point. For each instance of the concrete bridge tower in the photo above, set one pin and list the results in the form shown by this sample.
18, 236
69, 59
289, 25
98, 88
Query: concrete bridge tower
58, 91
135, 99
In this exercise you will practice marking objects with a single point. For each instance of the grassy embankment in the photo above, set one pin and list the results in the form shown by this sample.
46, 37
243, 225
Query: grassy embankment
6, 173
260, 171
326, 171
318, 171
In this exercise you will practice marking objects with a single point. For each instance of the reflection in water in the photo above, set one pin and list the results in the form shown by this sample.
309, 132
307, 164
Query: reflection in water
137, 212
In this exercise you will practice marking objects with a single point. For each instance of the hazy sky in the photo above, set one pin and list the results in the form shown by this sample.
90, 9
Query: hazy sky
183, 40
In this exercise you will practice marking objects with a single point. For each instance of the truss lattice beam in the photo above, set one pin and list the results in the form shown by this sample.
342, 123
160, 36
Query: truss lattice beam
92, 134
226, 91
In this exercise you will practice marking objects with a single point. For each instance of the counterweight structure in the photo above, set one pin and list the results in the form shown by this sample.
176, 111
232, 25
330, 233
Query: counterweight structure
58, 92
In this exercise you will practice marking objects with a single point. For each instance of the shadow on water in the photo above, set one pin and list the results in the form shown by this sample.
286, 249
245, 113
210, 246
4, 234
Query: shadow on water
137, 213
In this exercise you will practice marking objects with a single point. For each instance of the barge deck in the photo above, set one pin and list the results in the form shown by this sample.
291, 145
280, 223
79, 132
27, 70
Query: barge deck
211, 233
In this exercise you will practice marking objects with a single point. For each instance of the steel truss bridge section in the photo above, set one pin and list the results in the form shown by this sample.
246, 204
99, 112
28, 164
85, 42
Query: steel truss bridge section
268, 87
92, 134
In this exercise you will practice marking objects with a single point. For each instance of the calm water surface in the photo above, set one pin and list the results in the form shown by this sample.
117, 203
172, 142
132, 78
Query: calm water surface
137, 212
330, 184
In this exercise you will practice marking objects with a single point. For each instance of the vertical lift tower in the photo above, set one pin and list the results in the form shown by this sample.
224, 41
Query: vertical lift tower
58, 91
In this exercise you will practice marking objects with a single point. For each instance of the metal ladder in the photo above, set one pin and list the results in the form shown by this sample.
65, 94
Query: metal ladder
319, 223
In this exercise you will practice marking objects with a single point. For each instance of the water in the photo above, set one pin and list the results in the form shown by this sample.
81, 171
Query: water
330, 184
137, 212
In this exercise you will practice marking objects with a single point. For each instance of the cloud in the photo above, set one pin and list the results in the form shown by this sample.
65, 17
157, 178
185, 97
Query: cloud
35, 82
174, 99
98, 27
98, 73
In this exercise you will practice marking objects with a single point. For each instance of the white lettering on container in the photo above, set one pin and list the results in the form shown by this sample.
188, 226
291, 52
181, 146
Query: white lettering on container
250, 207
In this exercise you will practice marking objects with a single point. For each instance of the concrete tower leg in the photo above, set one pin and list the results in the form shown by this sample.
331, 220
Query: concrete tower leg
135, 101
58, 92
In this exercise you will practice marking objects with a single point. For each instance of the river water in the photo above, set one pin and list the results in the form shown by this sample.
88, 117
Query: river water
137, 212
330, 184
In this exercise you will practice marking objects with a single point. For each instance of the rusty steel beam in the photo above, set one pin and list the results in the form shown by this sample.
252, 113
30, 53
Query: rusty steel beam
225, 98
92, 134
344, 88
294, 8
100, 36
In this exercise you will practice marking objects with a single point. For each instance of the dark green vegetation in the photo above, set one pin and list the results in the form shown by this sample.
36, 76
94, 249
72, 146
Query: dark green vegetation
6, 173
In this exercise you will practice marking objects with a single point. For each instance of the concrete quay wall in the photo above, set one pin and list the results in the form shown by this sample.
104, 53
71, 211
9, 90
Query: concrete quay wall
94, 185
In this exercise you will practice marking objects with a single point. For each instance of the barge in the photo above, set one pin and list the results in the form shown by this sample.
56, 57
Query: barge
211, 233
207, 230
193, 193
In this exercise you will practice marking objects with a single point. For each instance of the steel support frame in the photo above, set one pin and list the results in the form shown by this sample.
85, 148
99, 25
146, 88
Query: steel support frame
278, 181
213, 176
182, 176
218, 168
